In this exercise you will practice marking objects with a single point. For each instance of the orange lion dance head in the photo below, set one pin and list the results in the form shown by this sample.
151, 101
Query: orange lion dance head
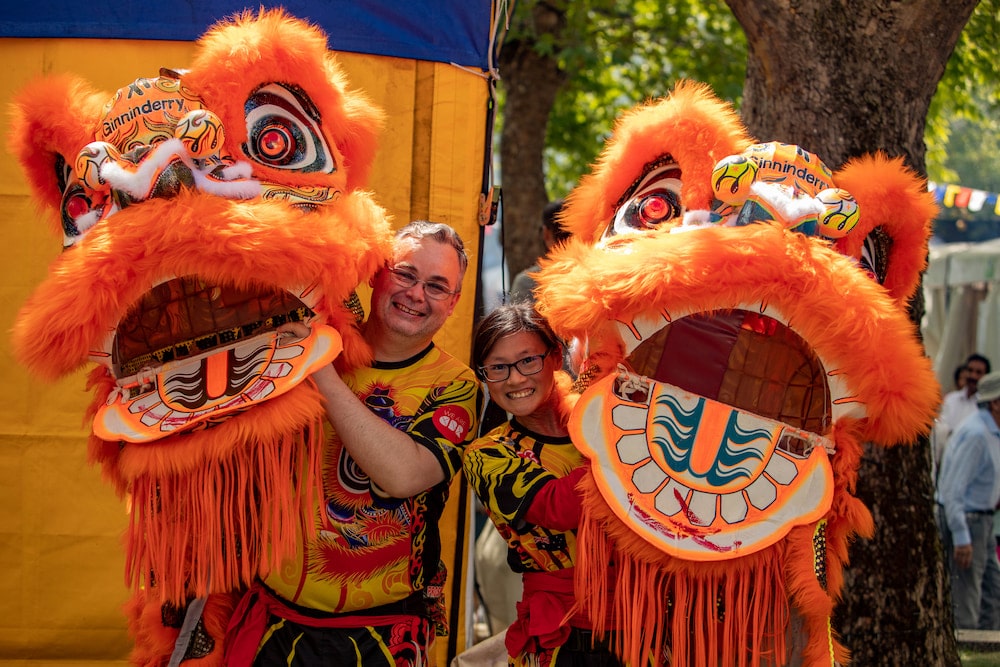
743, 314
199, 210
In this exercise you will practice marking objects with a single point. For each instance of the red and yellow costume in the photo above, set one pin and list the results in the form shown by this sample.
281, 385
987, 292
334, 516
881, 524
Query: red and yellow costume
200, 209
510, 469
368, 565
743, 314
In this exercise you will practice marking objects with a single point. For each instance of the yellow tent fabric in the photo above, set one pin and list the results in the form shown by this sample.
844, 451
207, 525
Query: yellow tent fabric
61, 564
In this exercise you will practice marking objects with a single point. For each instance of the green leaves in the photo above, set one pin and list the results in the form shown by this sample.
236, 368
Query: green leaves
618, 53
963, 126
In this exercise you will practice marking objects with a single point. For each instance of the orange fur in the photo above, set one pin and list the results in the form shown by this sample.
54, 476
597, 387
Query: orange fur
277, 48
92, 287
41, 134
645, 134
893, 197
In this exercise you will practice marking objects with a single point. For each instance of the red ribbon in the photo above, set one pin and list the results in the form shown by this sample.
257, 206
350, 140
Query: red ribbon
543, 614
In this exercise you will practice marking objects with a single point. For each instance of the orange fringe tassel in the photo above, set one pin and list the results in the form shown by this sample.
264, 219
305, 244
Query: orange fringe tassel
669, 611
220, 525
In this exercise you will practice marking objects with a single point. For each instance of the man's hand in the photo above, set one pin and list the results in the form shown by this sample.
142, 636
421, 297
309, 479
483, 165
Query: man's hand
963, 556
295, 329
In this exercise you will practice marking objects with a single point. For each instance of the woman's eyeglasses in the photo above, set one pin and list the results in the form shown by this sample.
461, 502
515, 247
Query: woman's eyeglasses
500, 372
432, 288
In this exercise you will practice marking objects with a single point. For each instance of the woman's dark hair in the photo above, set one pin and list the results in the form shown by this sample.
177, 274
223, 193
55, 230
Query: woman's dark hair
504, 321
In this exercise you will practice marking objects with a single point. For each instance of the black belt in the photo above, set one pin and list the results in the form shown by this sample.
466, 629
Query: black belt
413, 605
585, 641
982, 512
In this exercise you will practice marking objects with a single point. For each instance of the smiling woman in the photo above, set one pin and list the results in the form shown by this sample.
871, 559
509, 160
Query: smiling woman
525, 472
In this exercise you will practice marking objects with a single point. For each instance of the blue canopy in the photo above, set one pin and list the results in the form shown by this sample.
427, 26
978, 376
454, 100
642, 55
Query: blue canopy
438, 30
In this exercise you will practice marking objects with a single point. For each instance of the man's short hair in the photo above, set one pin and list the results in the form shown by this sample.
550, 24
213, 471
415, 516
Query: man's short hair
978, 357
551, 222
442, 233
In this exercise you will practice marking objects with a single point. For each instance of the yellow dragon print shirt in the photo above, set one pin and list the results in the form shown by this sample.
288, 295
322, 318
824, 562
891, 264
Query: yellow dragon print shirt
370, 549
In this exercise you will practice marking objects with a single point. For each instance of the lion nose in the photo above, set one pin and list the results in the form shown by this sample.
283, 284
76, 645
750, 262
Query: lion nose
164, 180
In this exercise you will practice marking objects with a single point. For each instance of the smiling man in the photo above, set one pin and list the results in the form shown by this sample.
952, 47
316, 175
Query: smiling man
365, 588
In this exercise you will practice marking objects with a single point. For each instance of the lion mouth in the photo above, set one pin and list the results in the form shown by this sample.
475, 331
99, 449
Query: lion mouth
190, 355
745, 359
715, 435
186, 317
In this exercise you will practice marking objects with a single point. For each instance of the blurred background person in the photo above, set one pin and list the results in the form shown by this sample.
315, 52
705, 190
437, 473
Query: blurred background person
967, 495
523, 286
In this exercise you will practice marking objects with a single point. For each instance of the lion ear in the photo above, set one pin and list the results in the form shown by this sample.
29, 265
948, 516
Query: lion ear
269, 47
896, 215
52, 119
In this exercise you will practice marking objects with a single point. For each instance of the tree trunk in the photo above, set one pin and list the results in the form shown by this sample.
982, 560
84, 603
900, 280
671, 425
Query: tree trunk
842, 78
847, 77
531, 81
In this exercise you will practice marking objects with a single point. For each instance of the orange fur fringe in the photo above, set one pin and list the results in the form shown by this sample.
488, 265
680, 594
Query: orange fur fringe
669, 611
738, 613
227, 498
235, 520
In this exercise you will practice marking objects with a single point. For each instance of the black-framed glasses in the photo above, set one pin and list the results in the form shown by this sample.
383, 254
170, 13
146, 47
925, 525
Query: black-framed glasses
432, 288
500, 372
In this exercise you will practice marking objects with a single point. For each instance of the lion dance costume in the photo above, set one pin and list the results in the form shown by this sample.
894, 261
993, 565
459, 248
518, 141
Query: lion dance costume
742, 312
199, 210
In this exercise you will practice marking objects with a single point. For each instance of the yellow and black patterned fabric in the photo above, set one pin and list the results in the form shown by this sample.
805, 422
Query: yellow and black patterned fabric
507, 468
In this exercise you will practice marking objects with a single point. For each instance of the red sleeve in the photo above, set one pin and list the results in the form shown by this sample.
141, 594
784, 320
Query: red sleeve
556, 505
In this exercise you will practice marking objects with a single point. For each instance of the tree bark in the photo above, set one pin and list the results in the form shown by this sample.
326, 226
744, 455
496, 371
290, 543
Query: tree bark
530, 79
842, 78
847, 77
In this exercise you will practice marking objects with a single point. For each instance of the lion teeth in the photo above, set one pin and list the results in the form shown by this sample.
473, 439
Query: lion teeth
761, 493
734, 508
669, 500
640, 329
632, 448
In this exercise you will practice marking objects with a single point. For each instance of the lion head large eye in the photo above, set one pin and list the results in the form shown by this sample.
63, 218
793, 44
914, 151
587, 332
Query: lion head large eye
283, 131
79, 206
653, 202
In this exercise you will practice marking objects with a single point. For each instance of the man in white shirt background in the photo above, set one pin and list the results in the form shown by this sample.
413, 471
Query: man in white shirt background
959, 404
967, 495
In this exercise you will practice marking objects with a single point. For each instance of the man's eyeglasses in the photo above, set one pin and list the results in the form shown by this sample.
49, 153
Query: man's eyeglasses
432, 288
500, 372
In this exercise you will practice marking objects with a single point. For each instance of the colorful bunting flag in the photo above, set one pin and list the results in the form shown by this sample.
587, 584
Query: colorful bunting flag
956, 196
